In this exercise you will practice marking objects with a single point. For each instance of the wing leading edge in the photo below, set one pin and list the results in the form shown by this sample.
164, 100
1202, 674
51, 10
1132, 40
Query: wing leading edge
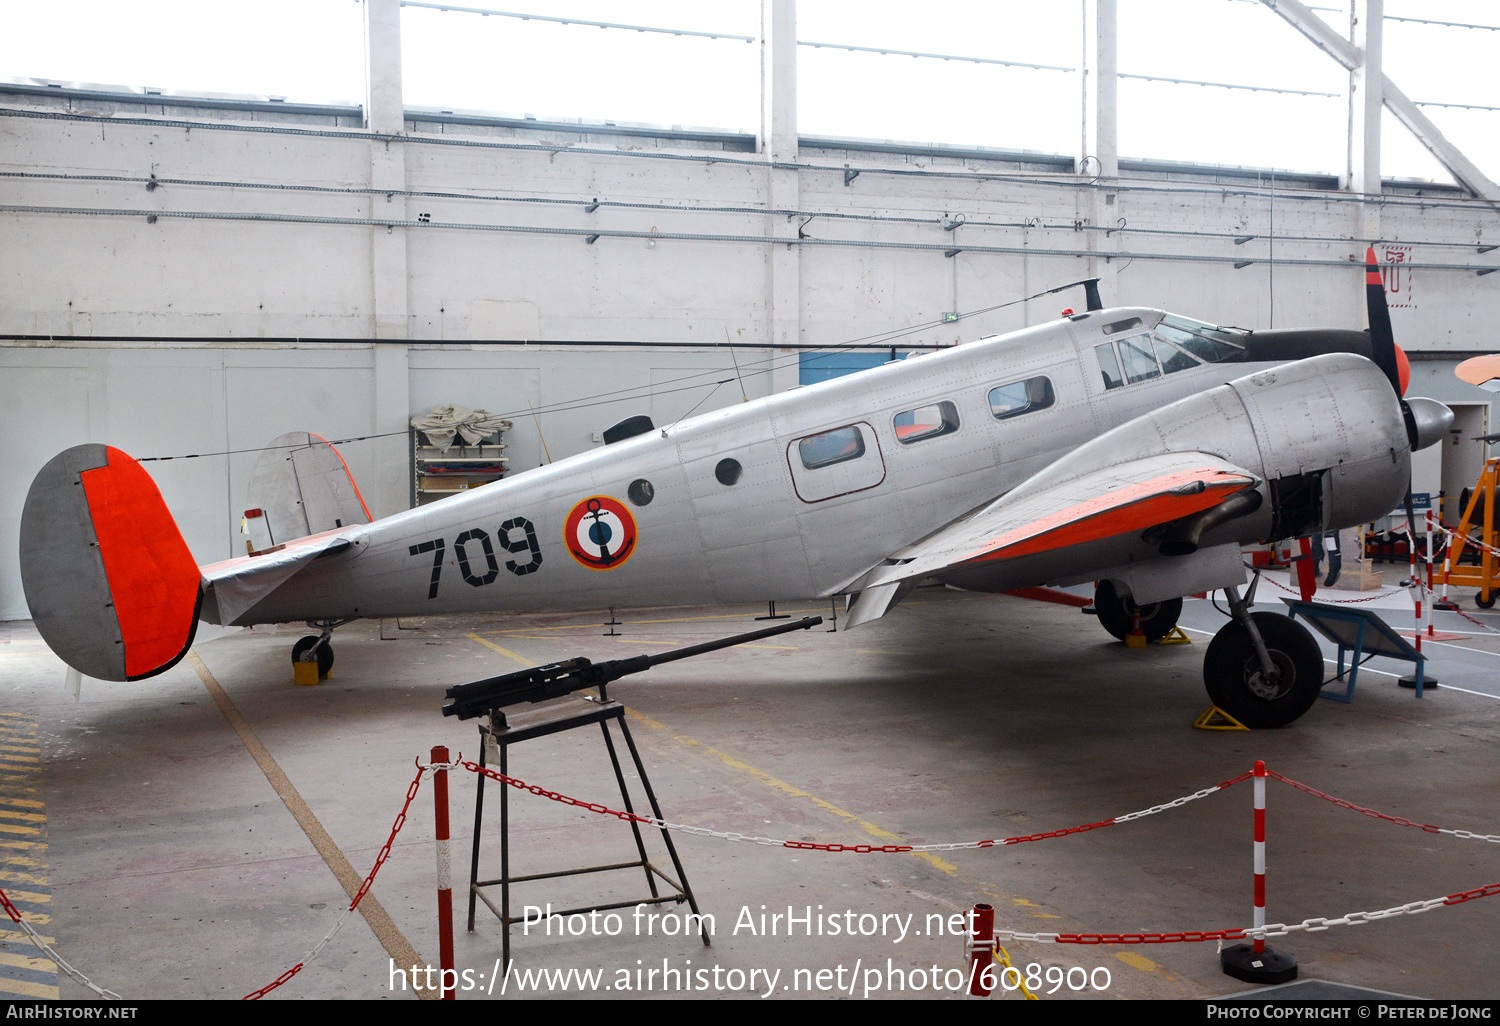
1100, 515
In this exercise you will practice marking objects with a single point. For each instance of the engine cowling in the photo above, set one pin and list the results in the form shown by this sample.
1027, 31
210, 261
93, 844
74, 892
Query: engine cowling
1325, 435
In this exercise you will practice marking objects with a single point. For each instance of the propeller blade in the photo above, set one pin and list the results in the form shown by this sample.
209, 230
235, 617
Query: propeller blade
1382, 339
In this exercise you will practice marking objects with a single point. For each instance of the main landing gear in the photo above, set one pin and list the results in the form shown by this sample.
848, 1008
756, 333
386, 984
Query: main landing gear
1117, 615
1264, 669
317, 647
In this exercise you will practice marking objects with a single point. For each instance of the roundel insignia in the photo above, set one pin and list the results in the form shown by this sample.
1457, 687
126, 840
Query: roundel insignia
600, 533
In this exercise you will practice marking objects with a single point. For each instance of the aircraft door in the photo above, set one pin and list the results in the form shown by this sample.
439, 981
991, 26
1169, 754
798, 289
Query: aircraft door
836, 462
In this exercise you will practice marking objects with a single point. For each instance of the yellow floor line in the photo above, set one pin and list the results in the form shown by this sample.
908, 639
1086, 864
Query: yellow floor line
380, 921
25, 989
765, 778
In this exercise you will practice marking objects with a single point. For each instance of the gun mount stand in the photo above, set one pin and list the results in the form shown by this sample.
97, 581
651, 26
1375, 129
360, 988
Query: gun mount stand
555, 680
577, 712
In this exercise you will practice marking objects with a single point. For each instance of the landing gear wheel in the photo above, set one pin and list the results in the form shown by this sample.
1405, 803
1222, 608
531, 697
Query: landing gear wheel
325, 654
1483, 604
1117, 615
1235, 681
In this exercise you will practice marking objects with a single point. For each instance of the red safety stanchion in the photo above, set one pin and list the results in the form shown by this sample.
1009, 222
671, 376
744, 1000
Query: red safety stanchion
1254, 962
448, 975
981, 950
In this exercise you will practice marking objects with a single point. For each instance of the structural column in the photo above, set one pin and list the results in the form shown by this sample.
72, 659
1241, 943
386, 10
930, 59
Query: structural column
778, 145
1099, 152
385, 118
1366, 102
1099, 147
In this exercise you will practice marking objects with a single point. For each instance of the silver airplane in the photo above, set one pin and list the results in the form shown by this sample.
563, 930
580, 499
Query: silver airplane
1128, 446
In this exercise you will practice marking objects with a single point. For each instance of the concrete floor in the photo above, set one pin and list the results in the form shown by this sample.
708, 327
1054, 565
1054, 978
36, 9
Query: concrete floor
177, 871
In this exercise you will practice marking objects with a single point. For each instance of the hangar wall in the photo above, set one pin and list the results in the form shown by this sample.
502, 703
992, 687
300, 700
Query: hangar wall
277, 268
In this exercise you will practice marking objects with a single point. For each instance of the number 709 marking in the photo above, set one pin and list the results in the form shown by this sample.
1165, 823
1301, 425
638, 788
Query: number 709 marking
525, 543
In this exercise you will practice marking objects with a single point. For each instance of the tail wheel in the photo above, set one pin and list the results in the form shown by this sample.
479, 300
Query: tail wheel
1238, 684
324, 654
1117, 615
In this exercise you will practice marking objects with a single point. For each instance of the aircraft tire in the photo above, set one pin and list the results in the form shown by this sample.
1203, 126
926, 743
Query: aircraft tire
1117, 615
325, 654
1232, 673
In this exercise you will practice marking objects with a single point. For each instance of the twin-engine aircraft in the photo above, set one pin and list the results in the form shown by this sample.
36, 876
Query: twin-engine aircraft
1130, 447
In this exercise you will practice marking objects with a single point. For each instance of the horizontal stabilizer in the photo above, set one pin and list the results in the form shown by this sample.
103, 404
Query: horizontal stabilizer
110, 583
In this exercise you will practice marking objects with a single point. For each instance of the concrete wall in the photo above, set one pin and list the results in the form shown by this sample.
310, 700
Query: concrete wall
311, 256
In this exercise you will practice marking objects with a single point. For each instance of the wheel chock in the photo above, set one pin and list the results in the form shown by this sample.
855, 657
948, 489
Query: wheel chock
1136, 641
1175, 637
305, 673
1217, 719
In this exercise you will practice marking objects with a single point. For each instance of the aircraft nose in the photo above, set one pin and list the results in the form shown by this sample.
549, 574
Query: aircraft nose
1430, 420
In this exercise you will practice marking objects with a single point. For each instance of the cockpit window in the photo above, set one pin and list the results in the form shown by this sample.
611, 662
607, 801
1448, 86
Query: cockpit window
1109, 365
1172, 359
1208, 343
1139, 359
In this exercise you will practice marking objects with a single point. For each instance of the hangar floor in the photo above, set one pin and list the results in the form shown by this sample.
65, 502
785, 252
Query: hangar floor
174, 870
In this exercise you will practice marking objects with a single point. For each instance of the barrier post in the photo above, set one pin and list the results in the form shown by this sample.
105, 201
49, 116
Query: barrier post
981, 949
447, 975
1255, 962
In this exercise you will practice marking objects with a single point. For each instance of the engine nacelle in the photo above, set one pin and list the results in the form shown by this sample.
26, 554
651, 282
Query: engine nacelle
1325, 435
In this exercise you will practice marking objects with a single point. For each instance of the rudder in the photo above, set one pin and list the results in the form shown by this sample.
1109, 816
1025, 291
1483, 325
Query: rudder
111, 584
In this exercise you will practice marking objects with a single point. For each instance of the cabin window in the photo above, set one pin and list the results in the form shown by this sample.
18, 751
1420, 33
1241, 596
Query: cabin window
926, 422
1109, 365
728, 472
1020, 397
1138, 358
831, 447
640, 492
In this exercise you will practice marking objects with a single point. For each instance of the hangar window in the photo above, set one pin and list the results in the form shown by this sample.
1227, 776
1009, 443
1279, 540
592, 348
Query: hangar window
926, 422
1020, 397
837, 446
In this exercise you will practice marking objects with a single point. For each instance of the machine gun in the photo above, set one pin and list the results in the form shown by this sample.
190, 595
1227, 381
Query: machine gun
554, 680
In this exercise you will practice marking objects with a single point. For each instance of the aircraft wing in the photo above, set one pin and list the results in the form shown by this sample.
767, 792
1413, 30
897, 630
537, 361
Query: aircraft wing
1088, 523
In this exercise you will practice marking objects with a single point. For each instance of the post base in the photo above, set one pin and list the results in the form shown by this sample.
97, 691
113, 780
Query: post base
1243, 962
1410, 682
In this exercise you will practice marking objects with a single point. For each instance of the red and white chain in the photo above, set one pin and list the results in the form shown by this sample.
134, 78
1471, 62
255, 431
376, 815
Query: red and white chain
1452, 532
1249, 933
1373, 814
385, 853
861, 849
36, 938
1340, 602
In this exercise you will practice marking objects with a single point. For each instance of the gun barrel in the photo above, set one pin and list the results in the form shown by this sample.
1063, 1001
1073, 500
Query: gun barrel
539, 683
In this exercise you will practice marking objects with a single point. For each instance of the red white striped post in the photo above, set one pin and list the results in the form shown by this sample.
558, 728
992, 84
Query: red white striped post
447, 974
1254, 962
1260, 852
1307, 574
981, 950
